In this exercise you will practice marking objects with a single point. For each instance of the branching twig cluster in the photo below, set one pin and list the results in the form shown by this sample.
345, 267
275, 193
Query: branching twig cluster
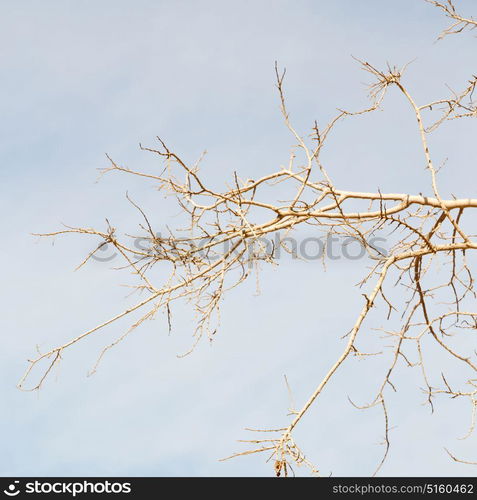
458, 23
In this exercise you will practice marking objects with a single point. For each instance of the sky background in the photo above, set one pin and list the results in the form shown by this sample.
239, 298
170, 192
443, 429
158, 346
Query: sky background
81, 79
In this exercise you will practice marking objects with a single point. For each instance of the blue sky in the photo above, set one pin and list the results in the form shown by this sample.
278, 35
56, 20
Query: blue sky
80, 79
